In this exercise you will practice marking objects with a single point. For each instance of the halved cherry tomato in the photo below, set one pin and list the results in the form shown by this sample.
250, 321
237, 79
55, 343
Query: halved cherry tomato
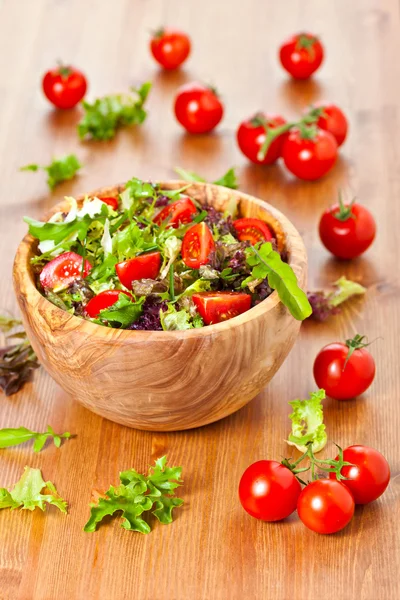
170, 48
113, 202
197, 244
215, 307
368, 476
251, 136
63, 270
198, 108
144, 266
64, 86
180, 211
301, 55
102, 301
325, 506
252, 230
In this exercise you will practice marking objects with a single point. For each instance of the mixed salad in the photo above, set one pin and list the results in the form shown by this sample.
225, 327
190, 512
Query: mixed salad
154, 259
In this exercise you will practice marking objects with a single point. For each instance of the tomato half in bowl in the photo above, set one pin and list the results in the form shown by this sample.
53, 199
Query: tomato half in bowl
215, 307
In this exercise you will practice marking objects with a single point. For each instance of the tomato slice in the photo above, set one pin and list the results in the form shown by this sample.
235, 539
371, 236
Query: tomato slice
197, 245
102, 301
252, 230
63, 270
144, 266
215, 307
177, 213
113, 202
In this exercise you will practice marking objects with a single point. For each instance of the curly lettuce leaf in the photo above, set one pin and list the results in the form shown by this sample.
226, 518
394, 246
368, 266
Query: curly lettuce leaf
266, 263
27, 493
140, 493
59, 170
124, 312
308, 423
172, 319
228, 180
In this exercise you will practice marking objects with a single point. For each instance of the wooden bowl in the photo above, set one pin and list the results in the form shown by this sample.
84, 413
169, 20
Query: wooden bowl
165, 380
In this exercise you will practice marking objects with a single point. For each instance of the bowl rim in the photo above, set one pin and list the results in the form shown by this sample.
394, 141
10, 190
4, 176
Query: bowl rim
25, 286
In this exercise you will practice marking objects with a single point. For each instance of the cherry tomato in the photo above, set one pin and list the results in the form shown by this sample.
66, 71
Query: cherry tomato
251, 136
170, 48
63, 270
269, 491
215, 307
198, 108
309, 152
102, 301
180, 211
369, 475
252, 230
197, 245
325, 506
64, 86
333, 120
301, 55
344, 371
347, 230
113, 202
144, 266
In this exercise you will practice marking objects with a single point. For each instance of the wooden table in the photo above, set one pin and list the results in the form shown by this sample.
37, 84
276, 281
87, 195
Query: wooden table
213, 550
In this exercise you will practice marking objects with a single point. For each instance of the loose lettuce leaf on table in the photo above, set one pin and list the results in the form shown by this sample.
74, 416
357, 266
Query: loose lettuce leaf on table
27, 493
308, 423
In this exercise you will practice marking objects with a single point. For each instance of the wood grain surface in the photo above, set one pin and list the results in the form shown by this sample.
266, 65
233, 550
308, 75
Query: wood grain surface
213, 550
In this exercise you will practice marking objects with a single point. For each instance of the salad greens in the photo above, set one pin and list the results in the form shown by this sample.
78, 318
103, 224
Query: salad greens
27, 493
15, 436
59, 170
105, 115
138, 248
17, 358
325, 304
137, 494
308, 423
229, 179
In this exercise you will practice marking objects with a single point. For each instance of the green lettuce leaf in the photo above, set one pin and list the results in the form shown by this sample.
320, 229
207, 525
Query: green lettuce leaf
228, 180
59, 170
13, 437
308, 423
137, 494
27, 493
268, 263
172, 319
105, 115
125, 311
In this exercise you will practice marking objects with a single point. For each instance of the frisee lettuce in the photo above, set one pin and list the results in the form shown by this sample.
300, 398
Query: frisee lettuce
308, 423
137, 494
59, 170
27, 493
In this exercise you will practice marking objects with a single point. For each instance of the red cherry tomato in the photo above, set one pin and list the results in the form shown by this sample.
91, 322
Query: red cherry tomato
113, 202
197, 245
252, 230
64, 86
251, 136
144, 266
102, 301
333, 120
198, 108
63, 270
301, 55
177, 213
347, 230
341, 376
269, 491
215, 307
170, 48
369, 475
325, 506
309, 153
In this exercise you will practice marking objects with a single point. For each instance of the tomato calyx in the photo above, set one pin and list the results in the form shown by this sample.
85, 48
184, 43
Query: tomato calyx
64, 70
355, 343
158, 33
307, 131
306, 42
344, 213
328, 465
